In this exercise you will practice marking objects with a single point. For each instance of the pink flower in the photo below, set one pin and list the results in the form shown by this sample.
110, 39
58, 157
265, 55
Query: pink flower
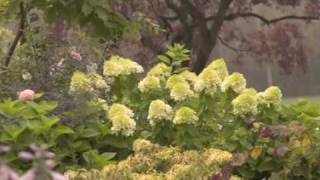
26, 156
7, 174
30, 175
75, 55
26, 95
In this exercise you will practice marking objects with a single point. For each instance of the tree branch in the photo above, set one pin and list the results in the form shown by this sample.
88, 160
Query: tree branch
220, 17
170, 18
223, 42
231, 17
18, 37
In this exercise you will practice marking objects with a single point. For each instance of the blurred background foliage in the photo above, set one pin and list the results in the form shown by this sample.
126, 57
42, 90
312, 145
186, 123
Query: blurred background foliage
271, 42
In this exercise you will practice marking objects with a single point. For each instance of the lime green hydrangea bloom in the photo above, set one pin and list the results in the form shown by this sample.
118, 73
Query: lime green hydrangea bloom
181, 91
80, 83
174, 80
235, 81
244, 104
122, 120
103, 103
98, 82
160, 70
179, 88
191, 77
185, 115
250, 91
149, 83
208, 80
158, 111
117, 66
272, 95
220, 67
117, 108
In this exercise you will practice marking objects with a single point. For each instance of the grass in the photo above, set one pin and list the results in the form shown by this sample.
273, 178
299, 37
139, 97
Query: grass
291, 100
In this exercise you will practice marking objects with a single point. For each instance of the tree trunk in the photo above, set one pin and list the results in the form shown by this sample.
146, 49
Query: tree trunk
209, 37
201, 51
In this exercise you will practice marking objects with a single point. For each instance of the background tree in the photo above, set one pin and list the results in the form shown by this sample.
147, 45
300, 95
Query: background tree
200, 24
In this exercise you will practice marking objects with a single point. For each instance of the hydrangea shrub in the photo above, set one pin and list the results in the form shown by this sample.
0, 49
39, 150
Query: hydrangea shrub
172, 106
154, 162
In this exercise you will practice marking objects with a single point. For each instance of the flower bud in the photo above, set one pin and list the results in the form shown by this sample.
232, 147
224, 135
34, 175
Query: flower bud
26, 95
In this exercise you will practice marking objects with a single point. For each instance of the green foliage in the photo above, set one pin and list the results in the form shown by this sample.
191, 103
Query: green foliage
26, 123
97, 16
175, 57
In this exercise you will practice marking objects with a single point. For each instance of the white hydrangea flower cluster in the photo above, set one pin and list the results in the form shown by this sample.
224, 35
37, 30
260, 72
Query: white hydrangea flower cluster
211, 78
117, 66
122, 120
249, 100
245, 103
191, 77
87, 83
235, 82
159, 111
219, 65
149, 84
179, 88
249, 90
208, 80
272, 95
98, 82
80, 83
185, 115
160, 70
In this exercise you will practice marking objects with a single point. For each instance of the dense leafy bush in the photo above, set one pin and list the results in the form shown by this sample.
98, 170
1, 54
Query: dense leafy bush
151, 161
24, 123
175, 107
